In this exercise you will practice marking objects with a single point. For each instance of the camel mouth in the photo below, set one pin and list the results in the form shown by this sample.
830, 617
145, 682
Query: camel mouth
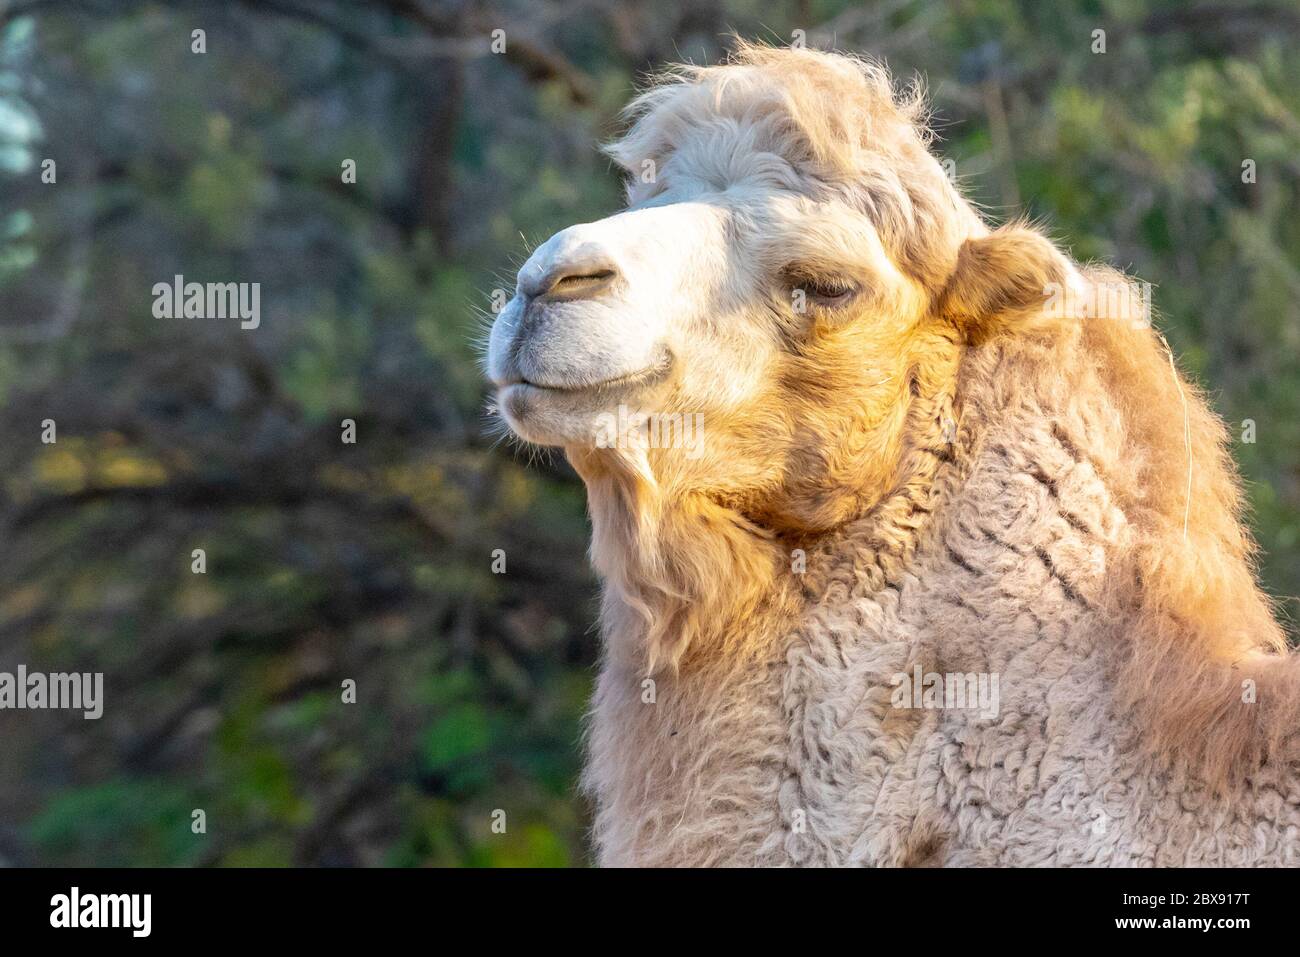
567, 413
652, 374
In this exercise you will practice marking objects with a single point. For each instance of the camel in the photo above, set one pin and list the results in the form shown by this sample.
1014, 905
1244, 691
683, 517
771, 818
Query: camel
955, 573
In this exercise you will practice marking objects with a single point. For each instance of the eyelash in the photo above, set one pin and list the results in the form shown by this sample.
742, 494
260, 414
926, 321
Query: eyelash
827, 290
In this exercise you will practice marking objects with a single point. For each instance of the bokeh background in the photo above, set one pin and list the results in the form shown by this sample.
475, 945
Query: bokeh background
373, 561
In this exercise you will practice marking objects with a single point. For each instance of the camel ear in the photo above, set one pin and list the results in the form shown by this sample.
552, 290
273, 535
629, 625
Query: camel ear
999, 278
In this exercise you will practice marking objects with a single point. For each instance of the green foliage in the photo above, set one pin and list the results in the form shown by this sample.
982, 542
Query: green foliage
140, 822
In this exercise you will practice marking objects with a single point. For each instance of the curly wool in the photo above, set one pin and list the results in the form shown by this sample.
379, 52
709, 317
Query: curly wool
792, 752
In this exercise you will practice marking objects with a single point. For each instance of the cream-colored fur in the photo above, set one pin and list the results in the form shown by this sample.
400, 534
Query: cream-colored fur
936, 473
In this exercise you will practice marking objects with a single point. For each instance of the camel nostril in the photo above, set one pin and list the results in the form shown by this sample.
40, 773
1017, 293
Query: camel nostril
579, 279
575, 282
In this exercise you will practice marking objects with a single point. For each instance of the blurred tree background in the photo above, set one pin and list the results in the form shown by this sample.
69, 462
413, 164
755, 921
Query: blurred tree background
372, 561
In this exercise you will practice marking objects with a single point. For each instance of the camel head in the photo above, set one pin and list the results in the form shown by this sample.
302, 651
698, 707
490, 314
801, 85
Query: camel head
775, 306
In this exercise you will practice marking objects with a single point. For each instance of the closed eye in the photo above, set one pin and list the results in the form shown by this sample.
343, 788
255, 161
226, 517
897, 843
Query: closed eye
822, 291
828, 288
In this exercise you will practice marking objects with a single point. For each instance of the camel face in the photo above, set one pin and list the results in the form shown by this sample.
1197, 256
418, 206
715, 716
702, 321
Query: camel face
758, 283
684, 304
734, 304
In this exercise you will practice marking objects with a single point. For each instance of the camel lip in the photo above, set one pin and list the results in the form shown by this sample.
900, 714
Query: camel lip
651, 374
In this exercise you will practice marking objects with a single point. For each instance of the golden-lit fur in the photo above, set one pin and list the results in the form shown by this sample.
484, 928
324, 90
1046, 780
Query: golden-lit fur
861, 451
